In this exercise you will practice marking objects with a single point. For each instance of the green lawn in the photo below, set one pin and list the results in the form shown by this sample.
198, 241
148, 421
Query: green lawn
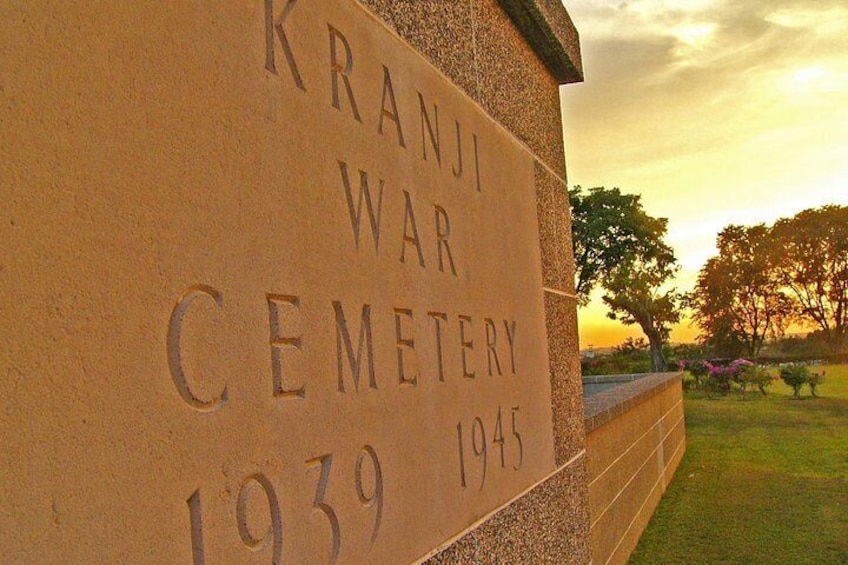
763, 481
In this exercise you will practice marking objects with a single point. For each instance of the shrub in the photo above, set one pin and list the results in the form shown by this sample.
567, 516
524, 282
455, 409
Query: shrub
813, 380
698, 369
720, 377
753, 376
689, 381
741, 364
795, 375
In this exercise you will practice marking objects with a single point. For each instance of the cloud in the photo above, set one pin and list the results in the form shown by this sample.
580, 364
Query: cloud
715, 71
709, 33
687, 25
827, 20
716, 111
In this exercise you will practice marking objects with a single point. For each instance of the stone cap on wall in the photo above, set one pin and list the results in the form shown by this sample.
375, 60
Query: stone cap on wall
550, 32
605, 406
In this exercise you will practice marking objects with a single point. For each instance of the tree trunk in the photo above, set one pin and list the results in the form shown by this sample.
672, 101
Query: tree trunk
836, 339
658, 362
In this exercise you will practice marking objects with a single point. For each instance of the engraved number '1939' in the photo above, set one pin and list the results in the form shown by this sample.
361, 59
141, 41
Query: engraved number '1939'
370, 496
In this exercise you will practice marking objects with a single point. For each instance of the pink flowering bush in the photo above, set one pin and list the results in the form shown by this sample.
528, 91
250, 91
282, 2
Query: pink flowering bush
722, 377
741, 364
719, 378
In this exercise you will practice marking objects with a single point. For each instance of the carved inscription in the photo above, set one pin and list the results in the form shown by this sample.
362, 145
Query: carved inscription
274, 535
391, 112
387, 113
356, 359
277, 303
372, 200
435, 142
258, 489
325, 463
339, 71
442, 235
355, 210
410, 231
196, 517
174, 349
375, 500
466, 344
480, 445
275, 24
356, 363
418, 227
404, 344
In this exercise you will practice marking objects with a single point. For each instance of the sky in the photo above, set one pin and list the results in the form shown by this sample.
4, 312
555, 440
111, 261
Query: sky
716, 111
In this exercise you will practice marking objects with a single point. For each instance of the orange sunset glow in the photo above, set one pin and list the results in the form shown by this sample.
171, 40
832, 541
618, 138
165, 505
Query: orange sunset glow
715, 111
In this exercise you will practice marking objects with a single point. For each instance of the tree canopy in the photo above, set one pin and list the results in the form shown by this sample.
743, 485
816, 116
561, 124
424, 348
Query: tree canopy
813, 264
739, 295
610, 228
634, 296
618, 246
762, 279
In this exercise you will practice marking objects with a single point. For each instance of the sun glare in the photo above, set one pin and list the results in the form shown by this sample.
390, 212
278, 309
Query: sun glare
694, 35
816, 79
809, 74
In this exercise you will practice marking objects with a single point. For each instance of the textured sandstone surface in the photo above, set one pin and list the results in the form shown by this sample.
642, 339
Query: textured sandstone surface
271, 289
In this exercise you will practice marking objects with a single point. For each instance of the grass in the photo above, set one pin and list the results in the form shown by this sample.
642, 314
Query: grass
763, 480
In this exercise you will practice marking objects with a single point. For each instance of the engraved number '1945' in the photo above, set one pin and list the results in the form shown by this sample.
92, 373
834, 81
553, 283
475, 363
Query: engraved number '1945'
480, 445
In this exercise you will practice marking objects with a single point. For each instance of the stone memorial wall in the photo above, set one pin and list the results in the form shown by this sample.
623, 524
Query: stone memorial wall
287, 282
635, 440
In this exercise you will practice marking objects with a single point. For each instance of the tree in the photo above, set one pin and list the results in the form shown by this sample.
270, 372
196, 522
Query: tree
722, 340
814, 266
610, 228
633, 296
812, 346
739, 294
618, 246
631, 347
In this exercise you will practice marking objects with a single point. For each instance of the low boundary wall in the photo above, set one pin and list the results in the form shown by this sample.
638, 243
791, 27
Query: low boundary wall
635, 439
